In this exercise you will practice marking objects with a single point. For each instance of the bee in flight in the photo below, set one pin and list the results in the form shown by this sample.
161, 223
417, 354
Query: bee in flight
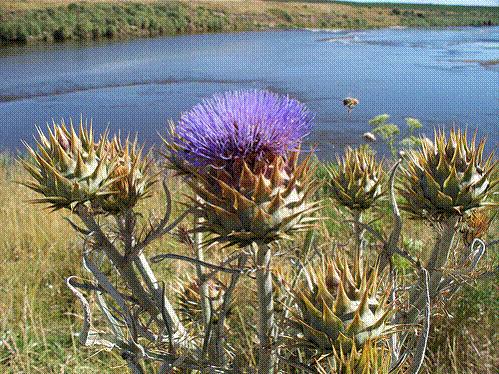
350, 103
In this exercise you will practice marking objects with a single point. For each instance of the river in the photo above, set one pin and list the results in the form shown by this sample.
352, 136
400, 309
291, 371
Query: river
440, 76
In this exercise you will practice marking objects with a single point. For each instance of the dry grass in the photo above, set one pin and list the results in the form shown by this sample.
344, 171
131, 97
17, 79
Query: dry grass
38, 314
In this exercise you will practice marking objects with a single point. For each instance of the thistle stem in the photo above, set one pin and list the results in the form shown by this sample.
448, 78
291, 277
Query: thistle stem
125, 267
440, 254
203, 286
266, 325
359, 234
436, 262
219, 338
152, 283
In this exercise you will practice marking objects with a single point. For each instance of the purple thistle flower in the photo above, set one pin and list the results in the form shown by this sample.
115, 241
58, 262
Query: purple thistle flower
248, 125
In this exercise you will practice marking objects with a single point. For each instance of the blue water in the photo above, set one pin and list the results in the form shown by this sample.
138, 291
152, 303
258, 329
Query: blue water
138, 85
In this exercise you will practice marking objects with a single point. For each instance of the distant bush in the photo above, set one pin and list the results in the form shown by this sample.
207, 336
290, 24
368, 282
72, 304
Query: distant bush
83, 30
92, 21
110, 32
282, 14
60, 34
210, 20
12, 33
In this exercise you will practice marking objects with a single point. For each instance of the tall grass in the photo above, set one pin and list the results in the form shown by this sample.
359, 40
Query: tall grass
39, 316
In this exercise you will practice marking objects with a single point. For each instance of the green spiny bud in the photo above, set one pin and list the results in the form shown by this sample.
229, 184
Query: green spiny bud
447, 177
356, 181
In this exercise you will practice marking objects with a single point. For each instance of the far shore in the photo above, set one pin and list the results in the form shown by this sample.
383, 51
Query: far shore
51, 21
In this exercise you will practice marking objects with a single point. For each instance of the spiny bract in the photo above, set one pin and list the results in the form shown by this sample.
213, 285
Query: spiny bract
356, 181
372, 359
446, 177
475, 225
343, 309
260, 205
189, 299
131, 177
69, 168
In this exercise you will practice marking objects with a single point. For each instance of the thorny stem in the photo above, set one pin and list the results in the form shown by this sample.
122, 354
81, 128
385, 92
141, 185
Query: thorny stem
133, 365
125, 268
425, 331
266, 325
391, 244
440, 254
161, 257
152, 283
148, 301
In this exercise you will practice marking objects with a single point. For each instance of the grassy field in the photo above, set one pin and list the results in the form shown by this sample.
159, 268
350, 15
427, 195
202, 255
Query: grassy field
28, 21
39, 316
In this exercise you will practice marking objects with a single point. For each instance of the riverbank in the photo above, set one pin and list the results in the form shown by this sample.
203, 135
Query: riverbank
47, 21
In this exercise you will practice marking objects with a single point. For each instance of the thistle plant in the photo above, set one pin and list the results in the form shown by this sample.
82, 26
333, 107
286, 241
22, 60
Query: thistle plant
101, 183
344, 308
240, 153
356, 179
355, 182
130, 178
447, 177
373, 359
189, 299
475, 225
443, 180
343, 317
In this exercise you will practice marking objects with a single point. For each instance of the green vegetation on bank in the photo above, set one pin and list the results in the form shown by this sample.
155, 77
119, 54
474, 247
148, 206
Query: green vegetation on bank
59, 20
84, 21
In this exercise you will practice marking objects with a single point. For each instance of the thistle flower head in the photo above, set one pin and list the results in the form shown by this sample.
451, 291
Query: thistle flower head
68, 167
130, 179
189, 297
476, 225
241, 151
241, 125
447, 177
356, 181
344, 308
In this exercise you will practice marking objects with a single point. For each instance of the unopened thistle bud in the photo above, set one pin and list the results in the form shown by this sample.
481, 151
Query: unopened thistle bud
447, 177
355, 181
345, 316
69, 168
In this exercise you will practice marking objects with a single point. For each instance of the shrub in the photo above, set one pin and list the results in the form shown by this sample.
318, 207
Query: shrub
60, 34
282, 14
83, 30
110, 32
